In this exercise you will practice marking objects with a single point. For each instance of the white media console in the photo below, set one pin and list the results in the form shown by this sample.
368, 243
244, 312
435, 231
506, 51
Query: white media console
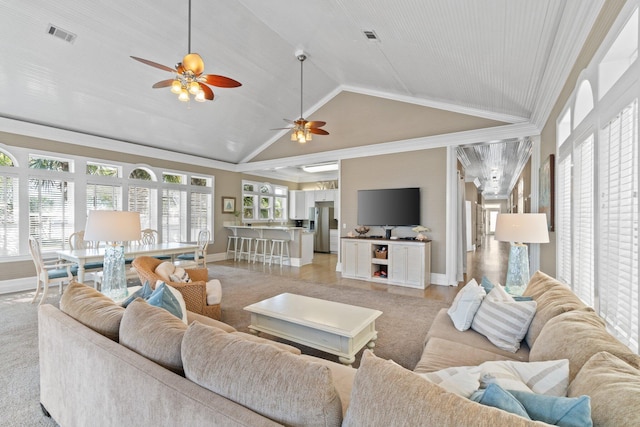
408, 262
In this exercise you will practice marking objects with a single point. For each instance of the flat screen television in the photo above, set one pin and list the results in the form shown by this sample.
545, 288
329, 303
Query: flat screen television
389, 207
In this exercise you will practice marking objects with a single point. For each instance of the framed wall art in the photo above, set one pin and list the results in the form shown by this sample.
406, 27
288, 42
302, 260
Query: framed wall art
547, 190
228, 204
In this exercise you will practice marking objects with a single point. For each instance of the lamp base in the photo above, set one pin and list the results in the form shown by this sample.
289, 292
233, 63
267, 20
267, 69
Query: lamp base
518, 269
114, 281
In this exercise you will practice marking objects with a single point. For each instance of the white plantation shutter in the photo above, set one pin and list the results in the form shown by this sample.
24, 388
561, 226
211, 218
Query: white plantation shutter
583, 199
104, 197
563, 221
200, 213
140, 200
618, 257
51, 212
174, 215
9, 216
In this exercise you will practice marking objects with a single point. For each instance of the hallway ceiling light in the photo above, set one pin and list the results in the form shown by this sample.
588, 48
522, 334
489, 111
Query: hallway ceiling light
320, 167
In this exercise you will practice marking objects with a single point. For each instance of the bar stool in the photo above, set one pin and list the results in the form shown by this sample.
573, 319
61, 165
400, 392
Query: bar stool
232, 241
278, 249
245, 248
264, 243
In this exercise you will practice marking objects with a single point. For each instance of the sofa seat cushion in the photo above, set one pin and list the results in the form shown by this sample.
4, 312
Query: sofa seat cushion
92, 309
441, 354
577, 335
386, 394
614, 388
270, 381
442, 327
154, 333
552, 298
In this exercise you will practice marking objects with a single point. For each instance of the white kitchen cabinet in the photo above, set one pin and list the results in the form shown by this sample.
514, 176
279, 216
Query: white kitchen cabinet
310, 202
408, 262
356, 259
297, 205
334, 240
324, 195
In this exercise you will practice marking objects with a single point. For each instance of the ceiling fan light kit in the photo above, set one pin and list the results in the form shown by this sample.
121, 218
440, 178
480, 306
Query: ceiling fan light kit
188, 76
302, 129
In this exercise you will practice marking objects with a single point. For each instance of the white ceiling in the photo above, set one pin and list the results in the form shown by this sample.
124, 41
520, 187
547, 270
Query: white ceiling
501, 60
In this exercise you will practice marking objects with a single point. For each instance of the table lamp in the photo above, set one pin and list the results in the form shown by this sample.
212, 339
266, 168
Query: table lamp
114, 228
520, 229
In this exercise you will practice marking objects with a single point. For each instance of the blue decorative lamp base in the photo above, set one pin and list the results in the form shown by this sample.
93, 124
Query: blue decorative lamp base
114, 281
518, 270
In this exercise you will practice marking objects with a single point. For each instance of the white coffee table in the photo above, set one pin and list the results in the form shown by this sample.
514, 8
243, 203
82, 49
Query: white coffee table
332, 327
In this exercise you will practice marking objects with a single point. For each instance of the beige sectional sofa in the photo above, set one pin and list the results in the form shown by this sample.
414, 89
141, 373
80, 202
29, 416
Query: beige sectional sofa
101, 364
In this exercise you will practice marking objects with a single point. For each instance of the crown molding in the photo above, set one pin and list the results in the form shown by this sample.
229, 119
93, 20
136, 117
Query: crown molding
573, 32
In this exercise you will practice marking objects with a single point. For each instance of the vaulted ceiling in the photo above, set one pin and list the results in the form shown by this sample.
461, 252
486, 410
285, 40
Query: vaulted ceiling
437, 67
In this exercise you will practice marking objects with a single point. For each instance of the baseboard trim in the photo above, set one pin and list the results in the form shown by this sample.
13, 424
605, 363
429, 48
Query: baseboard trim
17, 285
441, 279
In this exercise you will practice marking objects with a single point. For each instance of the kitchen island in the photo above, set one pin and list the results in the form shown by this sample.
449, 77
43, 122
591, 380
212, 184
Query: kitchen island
300, 239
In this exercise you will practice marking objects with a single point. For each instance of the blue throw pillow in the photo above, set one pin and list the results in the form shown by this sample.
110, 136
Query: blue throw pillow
144, 292
486, 284
560, 411
496, 396
163, 297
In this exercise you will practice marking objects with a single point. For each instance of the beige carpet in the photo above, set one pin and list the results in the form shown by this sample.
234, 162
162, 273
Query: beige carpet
401, 328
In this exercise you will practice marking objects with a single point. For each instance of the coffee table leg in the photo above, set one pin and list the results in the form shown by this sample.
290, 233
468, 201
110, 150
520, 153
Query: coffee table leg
347, 360
371, 344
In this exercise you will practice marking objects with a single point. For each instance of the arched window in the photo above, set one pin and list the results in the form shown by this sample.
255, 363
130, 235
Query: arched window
584, 102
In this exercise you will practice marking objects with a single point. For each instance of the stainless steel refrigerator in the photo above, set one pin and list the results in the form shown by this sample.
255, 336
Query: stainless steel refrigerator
322, 216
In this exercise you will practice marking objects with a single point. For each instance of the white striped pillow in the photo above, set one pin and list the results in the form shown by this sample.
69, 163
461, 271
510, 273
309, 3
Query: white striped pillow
503, 322
549, 377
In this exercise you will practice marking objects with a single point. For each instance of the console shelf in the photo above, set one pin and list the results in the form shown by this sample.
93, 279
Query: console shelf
407, 263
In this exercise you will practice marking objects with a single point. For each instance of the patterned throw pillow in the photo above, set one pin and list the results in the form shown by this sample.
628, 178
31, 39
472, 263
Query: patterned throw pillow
502, 320
179, 275
465, 305
550, 378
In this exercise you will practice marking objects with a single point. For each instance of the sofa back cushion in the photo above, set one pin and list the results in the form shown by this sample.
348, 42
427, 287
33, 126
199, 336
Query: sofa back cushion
92, 309
577, 335
614, 388
386, 394
273, 382
552, 298
154, 333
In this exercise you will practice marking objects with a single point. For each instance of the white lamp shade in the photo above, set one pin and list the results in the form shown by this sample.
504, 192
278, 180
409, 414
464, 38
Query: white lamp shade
522, 228
112, 226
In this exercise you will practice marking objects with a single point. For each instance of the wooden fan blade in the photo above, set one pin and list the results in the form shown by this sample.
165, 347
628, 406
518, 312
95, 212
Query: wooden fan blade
220, 81
163, 83
318, 131
154, 64
208, 93
315, 124
292, 122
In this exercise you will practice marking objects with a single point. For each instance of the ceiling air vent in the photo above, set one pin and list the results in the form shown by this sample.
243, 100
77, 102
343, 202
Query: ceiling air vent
371, 35
61, 34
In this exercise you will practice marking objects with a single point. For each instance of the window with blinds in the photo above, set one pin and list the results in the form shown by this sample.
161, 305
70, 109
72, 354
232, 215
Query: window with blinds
9, 218
174, 215
104, 197
51, 211
618, 237
563, 221
141, 200
582, 212
200, 213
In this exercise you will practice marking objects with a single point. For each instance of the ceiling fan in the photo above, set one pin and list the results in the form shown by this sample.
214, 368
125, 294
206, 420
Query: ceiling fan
188, 76
303, 129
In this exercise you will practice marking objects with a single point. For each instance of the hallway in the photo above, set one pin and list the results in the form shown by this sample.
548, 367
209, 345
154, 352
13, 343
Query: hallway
490, 259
